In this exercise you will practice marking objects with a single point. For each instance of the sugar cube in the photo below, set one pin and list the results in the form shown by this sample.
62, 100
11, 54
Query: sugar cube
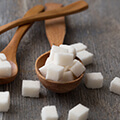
67, 76
2, 57
54, 72
70, 49
77, 68
85, 56
93, 80
79, 46
44, 68
115, 85
63, 59
56, 49
5, 69
30, 88
4, 101
67, 68
49, 113
79, 112
48, 61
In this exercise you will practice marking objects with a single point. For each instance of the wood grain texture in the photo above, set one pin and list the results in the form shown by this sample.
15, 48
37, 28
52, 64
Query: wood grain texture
1, 116
98, 28
55, 28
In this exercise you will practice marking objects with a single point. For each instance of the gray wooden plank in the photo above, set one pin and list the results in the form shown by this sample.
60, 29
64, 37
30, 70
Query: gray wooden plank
98, 28
1, 116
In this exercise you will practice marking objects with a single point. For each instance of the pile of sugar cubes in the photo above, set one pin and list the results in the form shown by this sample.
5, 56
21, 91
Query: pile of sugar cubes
79, 112
5, 66
62, 64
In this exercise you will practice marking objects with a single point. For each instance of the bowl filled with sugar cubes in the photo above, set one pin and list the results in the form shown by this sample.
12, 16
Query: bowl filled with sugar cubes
61, 69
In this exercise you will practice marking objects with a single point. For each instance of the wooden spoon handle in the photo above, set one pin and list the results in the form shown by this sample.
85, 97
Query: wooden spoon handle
67, 10
11, 48
55, 28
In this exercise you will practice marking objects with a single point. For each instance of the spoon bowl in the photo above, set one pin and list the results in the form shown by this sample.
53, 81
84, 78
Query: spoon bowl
13, 75
11, 49
58, 87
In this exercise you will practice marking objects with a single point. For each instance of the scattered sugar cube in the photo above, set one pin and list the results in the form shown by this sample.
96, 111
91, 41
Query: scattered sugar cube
30, 88
49, 113
56, 49
70, 49
67, 76
4, 101
77, 68
115, 85
85, 56
63, 59
94, 80
79, 46
48, 61
2, 57
44, 68
5, 69
79, 112
54, 72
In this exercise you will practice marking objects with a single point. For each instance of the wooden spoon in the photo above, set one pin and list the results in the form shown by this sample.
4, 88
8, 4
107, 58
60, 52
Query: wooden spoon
55, 31
67, 10
11, 49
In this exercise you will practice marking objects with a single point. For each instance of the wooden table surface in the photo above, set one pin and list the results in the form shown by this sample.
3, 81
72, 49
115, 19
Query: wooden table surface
98, 28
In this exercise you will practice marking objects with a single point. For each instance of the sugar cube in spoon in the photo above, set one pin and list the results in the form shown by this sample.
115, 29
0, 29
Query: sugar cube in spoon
5, 69
2, 57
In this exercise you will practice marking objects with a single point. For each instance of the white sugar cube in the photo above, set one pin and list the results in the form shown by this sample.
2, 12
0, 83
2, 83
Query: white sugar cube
48, 61
49, 113
79, 112
79, 46
54, 72
56, 49
67, 68
2, 57
70, 49
30, 88
67, 76
115, 85
5, 69
85, 56
4, 101
44, 68
94, 80
63, 59
77, 68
